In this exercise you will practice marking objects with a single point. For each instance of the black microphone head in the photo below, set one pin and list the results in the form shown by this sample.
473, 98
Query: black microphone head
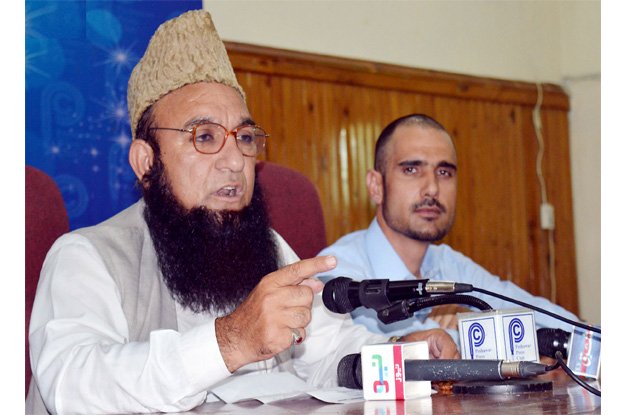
551, 341
349, 372
335, 295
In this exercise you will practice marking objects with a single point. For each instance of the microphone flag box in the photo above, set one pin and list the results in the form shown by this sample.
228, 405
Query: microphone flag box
584, 352
383, 374
508, 335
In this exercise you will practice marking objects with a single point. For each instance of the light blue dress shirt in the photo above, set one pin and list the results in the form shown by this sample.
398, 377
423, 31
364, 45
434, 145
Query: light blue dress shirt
367, 254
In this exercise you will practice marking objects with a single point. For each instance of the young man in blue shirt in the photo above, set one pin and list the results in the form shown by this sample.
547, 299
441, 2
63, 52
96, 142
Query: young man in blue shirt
414, 185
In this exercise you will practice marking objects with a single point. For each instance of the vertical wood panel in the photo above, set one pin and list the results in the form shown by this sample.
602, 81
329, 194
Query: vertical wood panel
324, 115
557, 173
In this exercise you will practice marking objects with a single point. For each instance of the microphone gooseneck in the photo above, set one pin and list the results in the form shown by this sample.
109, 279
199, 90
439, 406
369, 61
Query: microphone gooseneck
406, 308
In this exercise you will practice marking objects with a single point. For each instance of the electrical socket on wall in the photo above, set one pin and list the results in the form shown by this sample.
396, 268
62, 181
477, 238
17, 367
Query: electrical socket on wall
547, 216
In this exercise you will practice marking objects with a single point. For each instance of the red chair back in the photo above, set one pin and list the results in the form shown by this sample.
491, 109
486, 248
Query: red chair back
294, 208
46, 220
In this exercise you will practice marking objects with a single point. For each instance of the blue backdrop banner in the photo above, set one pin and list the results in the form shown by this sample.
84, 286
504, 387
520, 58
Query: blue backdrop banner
79, 56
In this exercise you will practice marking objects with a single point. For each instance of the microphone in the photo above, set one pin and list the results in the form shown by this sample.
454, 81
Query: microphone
342, 295
349, 370
551, 341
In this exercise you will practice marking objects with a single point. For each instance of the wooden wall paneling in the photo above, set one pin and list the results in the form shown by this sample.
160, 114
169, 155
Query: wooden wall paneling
518, 244
460, 120
330, 135
538, 282
340, 110
485, 224
491, 193
285, 63
322, 127
511, 246
325, 113
557, 171
287, 122
515, 246
258, 98
359, 137
490, 154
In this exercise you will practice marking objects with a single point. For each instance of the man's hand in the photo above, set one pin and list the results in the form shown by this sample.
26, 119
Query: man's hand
441, 344
261, 326
445, 315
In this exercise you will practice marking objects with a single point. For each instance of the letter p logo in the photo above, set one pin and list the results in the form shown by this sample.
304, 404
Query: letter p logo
516, 332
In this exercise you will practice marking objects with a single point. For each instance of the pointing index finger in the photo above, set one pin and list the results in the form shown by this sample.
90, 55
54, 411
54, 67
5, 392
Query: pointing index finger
297, 272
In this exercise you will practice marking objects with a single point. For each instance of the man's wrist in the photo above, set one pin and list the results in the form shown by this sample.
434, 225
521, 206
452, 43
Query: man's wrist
394, 339
225, 333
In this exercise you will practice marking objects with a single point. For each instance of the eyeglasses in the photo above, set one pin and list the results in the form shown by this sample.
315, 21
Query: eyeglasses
210, 137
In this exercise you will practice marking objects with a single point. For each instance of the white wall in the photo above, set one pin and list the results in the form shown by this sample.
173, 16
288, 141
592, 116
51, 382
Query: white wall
546, 41
585, 169
580, 32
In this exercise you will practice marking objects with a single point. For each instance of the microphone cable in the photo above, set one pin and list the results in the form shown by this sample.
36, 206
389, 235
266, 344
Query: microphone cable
403, 309
540, 310
558, 355
560, 363
340, 297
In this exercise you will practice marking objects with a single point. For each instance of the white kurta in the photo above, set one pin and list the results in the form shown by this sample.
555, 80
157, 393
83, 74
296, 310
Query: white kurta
83, 361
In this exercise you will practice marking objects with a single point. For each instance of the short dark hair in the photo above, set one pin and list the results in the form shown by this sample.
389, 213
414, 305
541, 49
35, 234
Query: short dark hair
421, 120
144, 125
146, 133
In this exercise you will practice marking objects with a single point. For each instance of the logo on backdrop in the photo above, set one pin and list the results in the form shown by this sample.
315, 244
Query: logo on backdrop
79, 56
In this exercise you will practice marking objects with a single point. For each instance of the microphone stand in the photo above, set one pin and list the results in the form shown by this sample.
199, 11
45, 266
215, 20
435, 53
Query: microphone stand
401, 310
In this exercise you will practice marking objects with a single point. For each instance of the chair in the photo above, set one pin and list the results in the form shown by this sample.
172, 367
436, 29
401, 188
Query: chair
46, 220
294, 208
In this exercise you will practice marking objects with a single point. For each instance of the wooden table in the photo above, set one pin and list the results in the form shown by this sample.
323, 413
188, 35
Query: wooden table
566, 397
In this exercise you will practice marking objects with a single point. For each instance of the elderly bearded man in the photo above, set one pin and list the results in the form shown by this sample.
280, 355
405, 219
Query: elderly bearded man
151, 308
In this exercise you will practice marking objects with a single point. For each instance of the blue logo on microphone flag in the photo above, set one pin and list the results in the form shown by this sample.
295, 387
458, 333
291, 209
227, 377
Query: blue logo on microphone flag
478, 338
520, 337
498, 335
516, 332
79, 56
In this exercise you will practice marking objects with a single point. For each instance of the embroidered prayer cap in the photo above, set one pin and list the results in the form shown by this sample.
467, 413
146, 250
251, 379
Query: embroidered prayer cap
184, 50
